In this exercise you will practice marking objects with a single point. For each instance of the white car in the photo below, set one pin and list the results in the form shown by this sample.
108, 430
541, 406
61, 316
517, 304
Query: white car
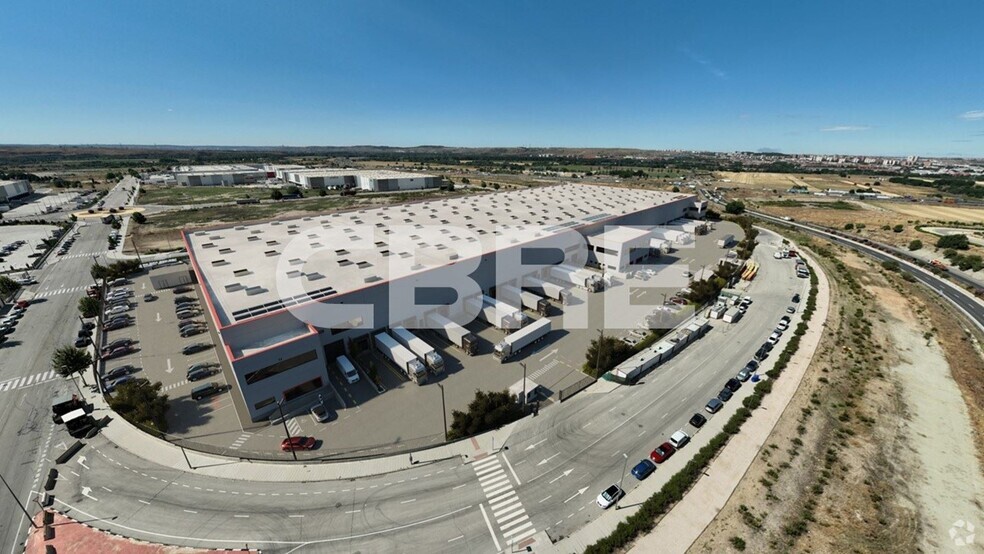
117, 310
679, 439
774, 338
782, 325
610, 496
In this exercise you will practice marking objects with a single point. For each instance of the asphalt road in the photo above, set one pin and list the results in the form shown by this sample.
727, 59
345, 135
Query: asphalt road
27, 384
957, 296
549, 475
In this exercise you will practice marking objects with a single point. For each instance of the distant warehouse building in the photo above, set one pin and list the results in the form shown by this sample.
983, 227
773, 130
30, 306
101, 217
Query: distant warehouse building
219, 175
290, 296
362, 179
12, 190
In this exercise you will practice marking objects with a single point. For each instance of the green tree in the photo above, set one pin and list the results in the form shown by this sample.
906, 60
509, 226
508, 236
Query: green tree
489, 410
142, 404
848, 226
88, 307
958, 242
676, 189
8, 286
322, 192
496, 186
915, 244
292, 191
898, 228
276, 195
68, 360
735, 207
604, 353
139, 218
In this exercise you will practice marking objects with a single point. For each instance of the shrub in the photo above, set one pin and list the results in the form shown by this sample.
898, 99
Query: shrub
915, 244
735, 207
489, 410
898, 228
958, 242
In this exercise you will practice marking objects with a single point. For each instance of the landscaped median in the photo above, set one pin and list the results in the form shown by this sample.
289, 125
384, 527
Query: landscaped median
657, 505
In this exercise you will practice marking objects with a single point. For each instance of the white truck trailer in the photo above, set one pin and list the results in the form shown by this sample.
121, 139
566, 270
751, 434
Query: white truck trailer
497, 313
419, 347
454, 333
403, 358
526, 336
529, 300
726, 241
547, 289
732, 315
582, 278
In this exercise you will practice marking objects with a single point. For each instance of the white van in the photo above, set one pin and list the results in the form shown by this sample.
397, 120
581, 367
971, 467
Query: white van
347, 369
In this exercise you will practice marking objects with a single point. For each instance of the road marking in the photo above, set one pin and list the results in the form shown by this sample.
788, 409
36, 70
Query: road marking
500, 513
577, 494
545, 499
494, 481
534, 445
526, 525
190, 511
143, 502
491, 531
522, 536
456, 488
295, 515
353, 511
488, 469
545, 460
240, 515
169, 367
408, 501
496, 502
456, 538
562, 475
105, 489
511, 470
498, 488
551, 353
81, 462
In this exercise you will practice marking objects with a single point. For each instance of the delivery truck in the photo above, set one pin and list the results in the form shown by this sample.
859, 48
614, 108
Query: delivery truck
453, 333
403, 358
726, 241
529, 300
419, 347
547, 289
496, 313
581, 278
513, 343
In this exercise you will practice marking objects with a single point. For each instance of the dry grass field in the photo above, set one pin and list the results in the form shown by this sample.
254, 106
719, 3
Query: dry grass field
935, 212
815, 183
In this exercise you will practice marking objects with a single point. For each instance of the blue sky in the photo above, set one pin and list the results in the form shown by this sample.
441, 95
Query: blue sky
880, 77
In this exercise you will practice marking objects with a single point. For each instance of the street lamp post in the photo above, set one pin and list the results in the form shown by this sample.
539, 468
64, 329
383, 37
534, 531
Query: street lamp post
280, 405
625, 464
523, 364
17, 500
444, 412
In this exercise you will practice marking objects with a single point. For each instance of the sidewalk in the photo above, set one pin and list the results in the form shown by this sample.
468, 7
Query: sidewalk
684, 523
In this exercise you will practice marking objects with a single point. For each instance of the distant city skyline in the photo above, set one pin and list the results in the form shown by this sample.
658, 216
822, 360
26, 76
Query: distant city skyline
837, 78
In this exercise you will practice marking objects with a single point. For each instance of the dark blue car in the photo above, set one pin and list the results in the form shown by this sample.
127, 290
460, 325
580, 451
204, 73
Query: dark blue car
643, 469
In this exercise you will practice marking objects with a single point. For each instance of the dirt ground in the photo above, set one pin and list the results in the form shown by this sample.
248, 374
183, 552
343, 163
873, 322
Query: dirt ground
878, 451
937, 212
815, 183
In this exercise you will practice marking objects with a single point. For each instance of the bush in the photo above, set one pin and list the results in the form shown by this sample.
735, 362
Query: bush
848, 226
489, 410
142, 404
604, 354
8, 286
735, 207
88, 307
958, 242
898, 228
890, 265
139, 218
915, 244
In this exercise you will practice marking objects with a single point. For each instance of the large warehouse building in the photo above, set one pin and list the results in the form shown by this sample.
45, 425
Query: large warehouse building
218, 175
362, 179
12, 190
290, 296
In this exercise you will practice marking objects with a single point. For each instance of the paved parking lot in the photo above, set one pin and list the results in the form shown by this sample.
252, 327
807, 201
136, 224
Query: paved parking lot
32, 235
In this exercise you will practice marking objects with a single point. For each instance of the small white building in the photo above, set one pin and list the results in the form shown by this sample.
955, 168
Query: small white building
617, 248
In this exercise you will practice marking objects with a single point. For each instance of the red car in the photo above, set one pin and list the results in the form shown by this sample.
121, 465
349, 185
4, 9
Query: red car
22, 304
662, 453
298, 443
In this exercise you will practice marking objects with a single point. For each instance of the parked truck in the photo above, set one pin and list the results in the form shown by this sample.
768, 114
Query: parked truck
65, 404
420, 347
403, 358
454, 333
582, 278
529, 300
547, 289
732, 315
513, 343
726, 241
497, 313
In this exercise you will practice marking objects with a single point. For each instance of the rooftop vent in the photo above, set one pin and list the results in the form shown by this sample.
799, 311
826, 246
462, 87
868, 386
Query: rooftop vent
232, 287
216, 263
225, 251
271, 253
363, 265
294, 273
241, 272
253, 291
296, 261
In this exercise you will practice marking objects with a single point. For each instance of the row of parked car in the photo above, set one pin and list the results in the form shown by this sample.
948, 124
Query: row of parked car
9, 249
66, 245
9, 321
679, 439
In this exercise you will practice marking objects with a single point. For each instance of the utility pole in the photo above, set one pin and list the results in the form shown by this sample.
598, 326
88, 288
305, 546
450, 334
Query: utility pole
17, 500
625, 464
280, 404
524, 383
444, 412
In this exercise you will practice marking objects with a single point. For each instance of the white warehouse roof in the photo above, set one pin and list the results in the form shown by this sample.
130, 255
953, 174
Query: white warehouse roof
242, 265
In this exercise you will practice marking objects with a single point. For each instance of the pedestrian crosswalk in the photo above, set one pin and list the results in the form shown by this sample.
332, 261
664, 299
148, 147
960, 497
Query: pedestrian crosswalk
63, 290
239, 442
294, 427
544, 369
173, 386
80, 255
27, 381
507, 510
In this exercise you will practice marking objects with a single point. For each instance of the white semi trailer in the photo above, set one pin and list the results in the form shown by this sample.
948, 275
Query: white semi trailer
547, 289
403, 358
526, 336
529, 300
454, 333
496, 313
582, 278
419, 347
